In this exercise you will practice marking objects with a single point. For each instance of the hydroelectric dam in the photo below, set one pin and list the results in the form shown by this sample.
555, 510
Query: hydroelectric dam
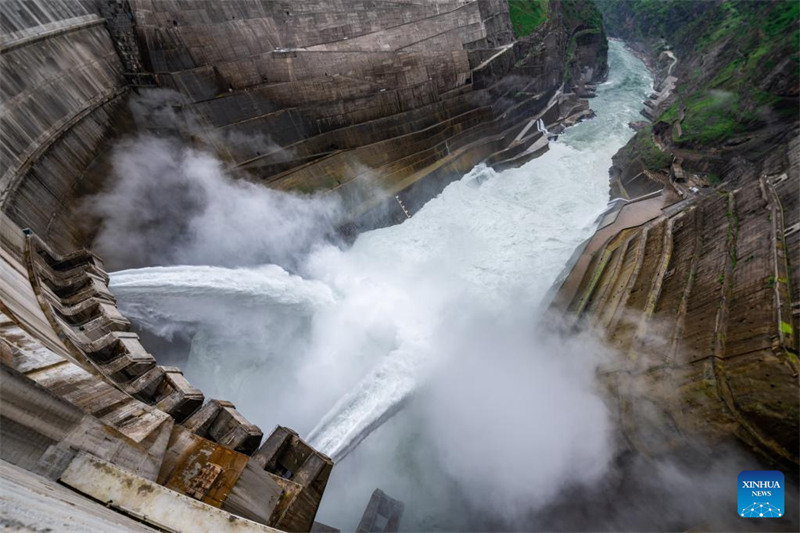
345, 265
354, 335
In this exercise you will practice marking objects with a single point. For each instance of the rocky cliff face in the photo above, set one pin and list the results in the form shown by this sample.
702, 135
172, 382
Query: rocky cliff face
698, 285
587, 50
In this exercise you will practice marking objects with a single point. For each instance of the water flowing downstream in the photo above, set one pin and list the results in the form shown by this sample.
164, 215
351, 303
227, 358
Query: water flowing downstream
415, 350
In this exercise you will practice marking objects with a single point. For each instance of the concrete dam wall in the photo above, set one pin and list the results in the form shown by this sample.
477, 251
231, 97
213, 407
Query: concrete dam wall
348, 97
350, 94
62, 85
376, 106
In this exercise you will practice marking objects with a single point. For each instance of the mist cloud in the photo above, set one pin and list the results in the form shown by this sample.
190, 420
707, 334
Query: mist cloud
519, 416
436, 315
169, 203
503, 424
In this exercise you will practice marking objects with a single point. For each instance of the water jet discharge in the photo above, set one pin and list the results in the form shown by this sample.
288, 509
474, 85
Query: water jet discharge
401, 348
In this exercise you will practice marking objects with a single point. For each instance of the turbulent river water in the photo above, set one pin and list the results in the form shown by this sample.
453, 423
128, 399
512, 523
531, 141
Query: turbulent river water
414, 352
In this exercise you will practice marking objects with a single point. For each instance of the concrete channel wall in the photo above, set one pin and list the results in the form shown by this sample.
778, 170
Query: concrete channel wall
695, 296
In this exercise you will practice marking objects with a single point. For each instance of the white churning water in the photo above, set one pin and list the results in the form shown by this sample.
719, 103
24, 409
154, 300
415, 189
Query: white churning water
410, 316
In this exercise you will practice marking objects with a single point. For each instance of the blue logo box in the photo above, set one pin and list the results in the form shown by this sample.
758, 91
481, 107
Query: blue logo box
760, 494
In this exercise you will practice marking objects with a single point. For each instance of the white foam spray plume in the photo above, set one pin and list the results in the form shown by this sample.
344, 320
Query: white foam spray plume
172, 204
192, 294
435, 315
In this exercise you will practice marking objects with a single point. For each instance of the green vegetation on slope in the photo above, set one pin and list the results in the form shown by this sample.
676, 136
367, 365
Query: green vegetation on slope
771, 20
527, 15
733, 53
753, 37
643, 20
643, 147
713, 116
580, 13
584, 21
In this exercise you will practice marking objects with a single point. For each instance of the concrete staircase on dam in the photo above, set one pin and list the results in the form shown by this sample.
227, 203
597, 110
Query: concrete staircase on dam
700, 306
76, 381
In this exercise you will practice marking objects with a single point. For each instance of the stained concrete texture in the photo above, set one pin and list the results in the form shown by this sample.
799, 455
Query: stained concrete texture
342, 95
62, 83
75, 379
29, 502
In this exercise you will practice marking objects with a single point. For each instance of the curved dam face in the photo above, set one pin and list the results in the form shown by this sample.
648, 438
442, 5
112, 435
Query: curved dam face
63, 86
371, 107
408, 357
360, 100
